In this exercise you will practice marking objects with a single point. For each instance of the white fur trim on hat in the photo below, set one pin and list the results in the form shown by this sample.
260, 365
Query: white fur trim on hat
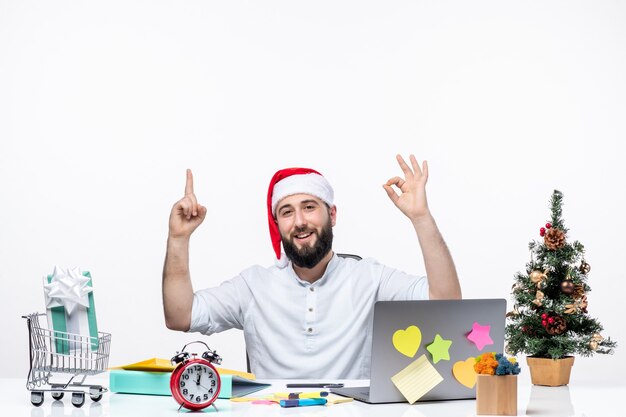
282, 262
312, 184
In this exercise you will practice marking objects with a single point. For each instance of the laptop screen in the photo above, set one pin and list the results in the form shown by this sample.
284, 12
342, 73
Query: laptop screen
435, 342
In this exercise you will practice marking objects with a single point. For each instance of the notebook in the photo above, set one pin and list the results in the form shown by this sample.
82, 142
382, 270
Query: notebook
428, 347
152, 376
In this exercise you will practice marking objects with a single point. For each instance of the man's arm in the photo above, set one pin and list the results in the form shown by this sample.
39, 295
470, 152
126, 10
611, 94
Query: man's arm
443, 281
185, 217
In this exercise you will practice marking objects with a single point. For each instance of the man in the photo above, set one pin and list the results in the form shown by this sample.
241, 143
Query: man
310, 314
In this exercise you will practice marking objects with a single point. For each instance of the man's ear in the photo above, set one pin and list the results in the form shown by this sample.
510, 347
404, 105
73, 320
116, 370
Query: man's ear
333, 215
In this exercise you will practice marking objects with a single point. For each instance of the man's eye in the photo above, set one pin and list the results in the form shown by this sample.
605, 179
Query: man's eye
309, 207
286, 213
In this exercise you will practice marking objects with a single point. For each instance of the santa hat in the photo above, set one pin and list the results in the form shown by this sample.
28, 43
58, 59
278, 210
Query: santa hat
288, 182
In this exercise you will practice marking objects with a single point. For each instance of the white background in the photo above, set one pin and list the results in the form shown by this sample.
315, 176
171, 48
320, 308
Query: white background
104, 104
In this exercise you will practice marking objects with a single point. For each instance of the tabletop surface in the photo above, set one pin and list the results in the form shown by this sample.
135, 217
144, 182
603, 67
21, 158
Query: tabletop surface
575, 400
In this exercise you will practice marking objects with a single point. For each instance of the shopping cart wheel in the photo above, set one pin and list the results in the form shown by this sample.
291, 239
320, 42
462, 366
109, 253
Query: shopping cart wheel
36, 398
78, 399
57, 395
95, 393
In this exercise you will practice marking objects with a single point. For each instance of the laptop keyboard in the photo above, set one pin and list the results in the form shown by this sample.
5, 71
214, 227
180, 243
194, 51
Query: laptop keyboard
359, 393
365, 392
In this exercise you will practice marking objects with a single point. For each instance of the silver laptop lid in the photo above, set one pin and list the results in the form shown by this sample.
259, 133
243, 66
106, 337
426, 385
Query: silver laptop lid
453, 320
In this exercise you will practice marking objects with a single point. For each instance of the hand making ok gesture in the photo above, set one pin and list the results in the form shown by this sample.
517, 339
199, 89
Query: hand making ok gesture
186, 214
412, 198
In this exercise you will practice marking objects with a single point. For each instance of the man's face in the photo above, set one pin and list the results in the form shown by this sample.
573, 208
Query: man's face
305, 224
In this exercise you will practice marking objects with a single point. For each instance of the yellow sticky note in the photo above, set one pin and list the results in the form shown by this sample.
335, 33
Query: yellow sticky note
407, 341
416, 379
336, 399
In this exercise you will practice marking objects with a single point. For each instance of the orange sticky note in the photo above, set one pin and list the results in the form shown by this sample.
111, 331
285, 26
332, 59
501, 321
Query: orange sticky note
464, 372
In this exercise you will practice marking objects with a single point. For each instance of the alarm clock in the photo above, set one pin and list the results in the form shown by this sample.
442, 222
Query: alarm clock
195, 383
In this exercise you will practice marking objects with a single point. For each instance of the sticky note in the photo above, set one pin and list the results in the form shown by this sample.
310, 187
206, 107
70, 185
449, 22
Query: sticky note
439, 348
264, 402
464, 372
416, 379
251, 399
480, 335
337, 399
407, 341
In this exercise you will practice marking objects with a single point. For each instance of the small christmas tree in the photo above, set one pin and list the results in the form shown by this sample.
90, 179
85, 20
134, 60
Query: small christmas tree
550, 317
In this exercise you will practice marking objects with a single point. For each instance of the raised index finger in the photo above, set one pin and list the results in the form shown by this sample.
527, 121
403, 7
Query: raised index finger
189, 183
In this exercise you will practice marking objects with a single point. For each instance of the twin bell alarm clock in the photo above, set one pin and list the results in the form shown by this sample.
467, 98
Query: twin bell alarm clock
195, 383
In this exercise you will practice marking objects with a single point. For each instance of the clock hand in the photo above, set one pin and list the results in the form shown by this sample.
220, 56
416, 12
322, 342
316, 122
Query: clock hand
198, 380
203, 387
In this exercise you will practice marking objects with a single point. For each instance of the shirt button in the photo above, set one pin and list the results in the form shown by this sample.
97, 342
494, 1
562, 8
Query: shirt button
312, 289
310, 308
309, 329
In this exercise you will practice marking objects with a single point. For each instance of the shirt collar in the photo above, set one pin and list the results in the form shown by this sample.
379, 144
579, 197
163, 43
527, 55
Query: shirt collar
332, 264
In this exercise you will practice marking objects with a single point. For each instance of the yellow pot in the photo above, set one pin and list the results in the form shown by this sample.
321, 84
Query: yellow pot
550, 372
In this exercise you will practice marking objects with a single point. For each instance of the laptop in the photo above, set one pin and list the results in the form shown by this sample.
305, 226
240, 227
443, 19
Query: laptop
452, 320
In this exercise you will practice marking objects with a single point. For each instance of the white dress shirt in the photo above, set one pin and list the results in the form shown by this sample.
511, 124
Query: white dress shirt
294, 329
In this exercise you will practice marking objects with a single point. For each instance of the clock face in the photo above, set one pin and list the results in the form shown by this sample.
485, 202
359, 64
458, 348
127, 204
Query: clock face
198, 384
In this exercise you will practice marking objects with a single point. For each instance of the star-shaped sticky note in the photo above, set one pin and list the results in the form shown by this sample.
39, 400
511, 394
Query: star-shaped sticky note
439, 349
480, 335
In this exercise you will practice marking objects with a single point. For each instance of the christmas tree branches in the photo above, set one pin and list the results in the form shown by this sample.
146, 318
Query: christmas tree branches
550, 318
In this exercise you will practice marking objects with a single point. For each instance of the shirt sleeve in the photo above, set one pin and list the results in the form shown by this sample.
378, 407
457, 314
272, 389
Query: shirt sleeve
396, 285
220, 308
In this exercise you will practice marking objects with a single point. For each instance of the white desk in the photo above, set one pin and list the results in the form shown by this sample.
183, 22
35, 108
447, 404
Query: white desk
575, 400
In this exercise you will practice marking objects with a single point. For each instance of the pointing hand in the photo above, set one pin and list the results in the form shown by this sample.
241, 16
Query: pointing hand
186, 214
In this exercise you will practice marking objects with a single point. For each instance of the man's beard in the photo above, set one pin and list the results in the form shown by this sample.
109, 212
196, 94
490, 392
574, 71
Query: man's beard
309, 256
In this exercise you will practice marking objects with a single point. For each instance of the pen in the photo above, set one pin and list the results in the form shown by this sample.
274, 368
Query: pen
303, 402
315, 385
296, 395
318, 394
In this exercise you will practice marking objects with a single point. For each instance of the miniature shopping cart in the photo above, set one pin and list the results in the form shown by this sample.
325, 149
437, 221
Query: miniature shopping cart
54, 352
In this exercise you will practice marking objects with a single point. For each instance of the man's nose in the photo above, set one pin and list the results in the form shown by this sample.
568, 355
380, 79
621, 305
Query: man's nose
300, 218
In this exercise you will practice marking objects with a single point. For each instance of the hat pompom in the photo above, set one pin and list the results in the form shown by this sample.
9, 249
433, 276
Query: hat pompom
282, 262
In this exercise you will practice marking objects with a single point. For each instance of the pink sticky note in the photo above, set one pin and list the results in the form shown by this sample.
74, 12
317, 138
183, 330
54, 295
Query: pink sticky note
480, 335
264, 402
